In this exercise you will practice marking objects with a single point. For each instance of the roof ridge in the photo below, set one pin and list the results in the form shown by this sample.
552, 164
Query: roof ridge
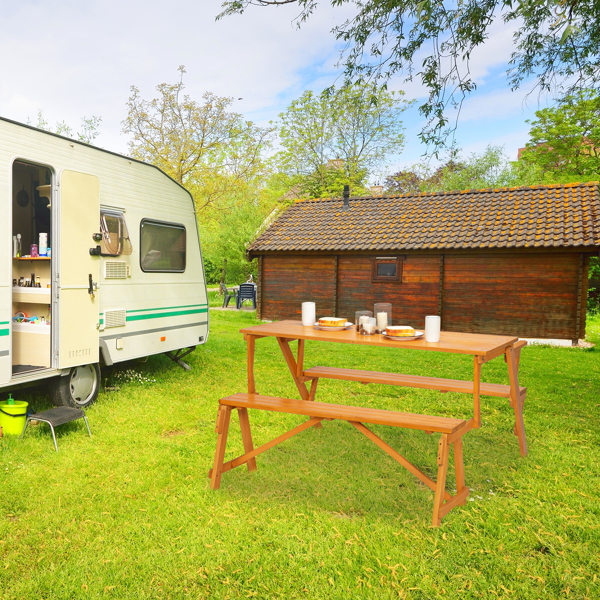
535, 186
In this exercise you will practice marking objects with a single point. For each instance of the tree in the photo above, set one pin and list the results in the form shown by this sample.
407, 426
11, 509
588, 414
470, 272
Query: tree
339, 137
210, 150
564, 141
90, 128
488, 169
556, 41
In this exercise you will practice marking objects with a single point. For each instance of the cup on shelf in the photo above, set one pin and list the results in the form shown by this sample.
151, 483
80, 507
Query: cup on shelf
432, 328
309, 314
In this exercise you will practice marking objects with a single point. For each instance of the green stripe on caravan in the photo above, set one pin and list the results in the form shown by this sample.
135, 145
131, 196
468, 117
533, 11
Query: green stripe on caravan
198, 308
4, 332
166, 308
170, 314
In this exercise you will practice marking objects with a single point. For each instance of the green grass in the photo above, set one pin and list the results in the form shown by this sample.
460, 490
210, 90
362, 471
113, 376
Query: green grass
129, 512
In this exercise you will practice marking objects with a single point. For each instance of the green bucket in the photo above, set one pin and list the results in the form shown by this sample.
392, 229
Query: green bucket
13, 417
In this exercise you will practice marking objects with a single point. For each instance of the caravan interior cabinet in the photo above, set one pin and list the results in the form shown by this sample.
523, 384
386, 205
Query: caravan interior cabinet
31, 342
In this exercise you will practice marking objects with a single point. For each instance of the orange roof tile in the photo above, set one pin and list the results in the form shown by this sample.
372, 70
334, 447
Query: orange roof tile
552, 216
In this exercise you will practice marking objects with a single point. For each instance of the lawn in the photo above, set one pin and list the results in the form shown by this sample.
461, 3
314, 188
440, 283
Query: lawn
129, 512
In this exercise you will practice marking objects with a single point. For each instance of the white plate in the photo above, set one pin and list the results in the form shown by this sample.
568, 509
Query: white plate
346, 326
402, 338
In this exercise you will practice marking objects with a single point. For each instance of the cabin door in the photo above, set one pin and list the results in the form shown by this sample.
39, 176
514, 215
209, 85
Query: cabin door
78, 299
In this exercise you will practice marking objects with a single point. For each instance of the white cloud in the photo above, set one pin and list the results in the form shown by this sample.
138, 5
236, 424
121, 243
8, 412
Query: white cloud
73, 59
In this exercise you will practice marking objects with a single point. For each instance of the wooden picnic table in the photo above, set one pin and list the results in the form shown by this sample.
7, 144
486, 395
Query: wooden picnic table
481, 347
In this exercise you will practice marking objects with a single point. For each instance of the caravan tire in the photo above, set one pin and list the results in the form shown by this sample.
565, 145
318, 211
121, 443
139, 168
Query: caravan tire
79, 388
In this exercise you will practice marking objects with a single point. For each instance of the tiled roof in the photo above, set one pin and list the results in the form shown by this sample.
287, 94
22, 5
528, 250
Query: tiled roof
524, 217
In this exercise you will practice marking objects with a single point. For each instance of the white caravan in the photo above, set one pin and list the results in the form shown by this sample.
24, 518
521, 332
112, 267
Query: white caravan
118, 273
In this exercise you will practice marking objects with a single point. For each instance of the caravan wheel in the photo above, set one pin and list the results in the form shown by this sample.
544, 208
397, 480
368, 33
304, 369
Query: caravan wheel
79, 388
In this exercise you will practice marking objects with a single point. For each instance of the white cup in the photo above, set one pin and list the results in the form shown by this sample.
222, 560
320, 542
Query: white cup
309, 314
432, 328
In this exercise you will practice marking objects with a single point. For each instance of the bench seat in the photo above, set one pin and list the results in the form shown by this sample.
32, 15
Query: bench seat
376, 416
451, 429
414, 381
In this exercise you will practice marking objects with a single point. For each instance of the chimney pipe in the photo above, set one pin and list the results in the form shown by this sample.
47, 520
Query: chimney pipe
346, 197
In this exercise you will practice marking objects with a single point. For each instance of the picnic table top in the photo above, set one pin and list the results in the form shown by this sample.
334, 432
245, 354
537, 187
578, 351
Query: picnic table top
476, 344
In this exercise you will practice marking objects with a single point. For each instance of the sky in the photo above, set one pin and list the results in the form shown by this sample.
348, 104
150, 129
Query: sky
73, 59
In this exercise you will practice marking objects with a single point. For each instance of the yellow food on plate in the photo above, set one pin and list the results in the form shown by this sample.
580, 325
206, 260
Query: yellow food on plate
332, 322
400, 331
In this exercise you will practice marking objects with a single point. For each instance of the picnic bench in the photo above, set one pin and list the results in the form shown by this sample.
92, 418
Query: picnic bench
482, 348
452, 431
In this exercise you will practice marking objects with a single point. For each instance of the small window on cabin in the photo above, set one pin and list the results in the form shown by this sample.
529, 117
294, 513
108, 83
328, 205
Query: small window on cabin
387, 268
162, 247
115, 237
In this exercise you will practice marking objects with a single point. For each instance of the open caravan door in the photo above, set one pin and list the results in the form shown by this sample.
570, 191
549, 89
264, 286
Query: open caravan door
78, 297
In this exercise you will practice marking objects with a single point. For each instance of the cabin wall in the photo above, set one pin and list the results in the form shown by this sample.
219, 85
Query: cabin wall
287, 281
412, 298
526, 294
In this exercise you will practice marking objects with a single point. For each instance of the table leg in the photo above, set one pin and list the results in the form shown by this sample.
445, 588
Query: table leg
293, 367
222, 428
515, 398
440, 488
476, 391
251, 342
246, 436
459, 467
300, 361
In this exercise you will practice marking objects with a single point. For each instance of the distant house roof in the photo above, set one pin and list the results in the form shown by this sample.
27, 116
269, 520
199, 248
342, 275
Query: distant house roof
523, 217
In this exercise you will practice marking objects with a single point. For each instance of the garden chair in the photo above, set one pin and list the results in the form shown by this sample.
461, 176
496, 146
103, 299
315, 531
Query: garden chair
247, 291
228, 295
57, 416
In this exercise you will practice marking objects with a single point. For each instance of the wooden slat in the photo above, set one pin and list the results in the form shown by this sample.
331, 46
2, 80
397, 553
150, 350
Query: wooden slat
441, 286
345, 413
579, 295
415, 381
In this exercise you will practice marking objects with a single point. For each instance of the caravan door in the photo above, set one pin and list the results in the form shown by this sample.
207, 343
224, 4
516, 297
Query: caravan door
77, 307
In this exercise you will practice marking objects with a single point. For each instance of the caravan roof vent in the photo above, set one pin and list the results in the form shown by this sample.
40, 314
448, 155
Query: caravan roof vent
115, 318
115, 269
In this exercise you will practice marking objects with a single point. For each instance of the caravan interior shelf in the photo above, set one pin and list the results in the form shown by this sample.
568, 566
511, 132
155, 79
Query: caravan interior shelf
32, 258
32, 295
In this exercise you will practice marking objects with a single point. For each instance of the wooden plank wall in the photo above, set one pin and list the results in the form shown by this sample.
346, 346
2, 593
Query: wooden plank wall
287, 281
522, 294
527, 295
412, 298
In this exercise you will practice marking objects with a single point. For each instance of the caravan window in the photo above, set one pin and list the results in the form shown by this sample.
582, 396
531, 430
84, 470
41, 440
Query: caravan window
162, 246
115, 237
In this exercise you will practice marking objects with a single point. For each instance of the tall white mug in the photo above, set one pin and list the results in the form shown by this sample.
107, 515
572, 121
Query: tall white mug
432, 328
309, 314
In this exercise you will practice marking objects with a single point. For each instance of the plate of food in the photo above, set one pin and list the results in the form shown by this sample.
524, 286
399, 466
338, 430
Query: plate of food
402, 333
333, 324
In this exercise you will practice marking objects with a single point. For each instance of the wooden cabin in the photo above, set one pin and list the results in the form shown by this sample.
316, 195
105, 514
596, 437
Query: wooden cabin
510, 261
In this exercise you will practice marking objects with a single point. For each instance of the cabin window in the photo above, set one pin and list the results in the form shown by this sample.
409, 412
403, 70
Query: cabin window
387, 268
162, 247
115, 237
